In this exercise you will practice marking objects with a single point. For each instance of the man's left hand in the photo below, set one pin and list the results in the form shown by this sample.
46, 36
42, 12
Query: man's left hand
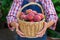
41, 33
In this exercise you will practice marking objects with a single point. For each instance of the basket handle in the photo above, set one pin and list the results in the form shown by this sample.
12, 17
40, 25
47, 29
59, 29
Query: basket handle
28, 5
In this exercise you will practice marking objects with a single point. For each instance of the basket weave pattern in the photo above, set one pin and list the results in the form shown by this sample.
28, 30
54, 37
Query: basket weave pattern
30, 28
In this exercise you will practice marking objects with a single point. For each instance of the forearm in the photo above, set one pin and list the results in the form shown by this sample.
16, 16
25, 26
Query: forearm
11, 17
10, 20
51, 15
50, 23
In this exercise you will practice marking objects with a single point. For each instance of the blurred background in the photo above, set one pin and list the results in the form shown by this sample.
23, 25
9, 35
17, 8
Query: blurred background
6, 34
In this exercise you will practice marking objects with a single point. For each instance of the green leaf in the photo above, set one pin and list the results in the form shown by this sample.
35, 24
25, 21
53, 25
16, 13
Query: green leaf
55, 1
58, 8
4, 2
59, 15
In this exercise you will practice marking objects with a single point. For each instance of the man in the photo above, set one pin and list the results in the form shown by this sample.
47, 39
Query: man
50, 13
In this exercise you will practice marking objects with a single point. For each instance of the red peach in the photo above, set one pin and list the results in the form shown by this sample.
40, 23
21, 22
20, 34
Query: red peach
23, 17
30, 16
34, 12
22, 13
29, 10
37, 18
41, 15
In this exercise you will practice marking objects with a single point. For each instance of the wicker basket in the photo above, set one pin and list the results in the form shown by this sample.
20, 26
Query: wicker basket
30, 28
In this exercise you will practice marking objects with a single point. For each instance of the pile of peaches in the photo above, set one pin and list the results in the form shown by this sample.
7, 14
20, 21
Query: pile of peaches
31, 16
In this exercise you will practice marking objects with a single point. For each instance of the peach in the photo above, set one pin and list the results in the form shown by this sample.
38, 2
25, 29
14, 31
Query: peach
41, 15
34, 12
30, 16
29, 10
22, 13
37, 18
23, 17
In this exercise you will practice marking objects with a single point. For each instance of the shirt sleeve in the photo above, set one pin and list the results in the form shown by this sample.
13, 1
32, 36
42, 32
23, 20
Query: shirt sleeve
50, 12
16, 5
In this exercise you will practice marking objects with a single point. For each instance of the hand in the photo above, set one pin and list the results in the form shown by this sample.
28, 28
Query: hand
41, 33
19, 32
11, 27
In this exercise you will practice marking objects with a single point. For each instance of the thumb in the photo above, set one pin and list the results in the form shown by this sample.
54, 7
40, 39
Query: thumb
17, 26
45, 24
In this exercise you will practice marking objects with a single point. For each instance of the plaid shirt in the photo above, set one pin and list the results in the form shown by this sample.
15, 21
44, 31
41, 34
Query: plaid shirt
47, 5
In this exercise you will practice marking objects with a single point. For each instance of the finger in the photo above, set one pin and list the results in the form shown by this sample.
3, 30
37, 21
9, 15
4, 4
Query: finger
45, 25
11, 29
41, 32
18, 31
17, 27
20, 35
40, 35
17, 24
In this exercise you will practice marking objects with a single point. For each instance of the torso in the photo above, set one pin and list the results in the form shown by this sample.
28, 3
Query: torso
34, 7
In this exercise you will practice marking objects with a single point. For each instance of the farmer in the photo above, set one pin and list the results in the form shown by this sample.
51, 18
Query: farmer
51, 17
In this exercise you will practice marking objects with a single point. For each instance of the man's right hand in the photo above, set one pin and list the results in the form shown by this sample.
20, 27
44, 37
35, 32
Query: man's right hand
12, 28
16, 26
